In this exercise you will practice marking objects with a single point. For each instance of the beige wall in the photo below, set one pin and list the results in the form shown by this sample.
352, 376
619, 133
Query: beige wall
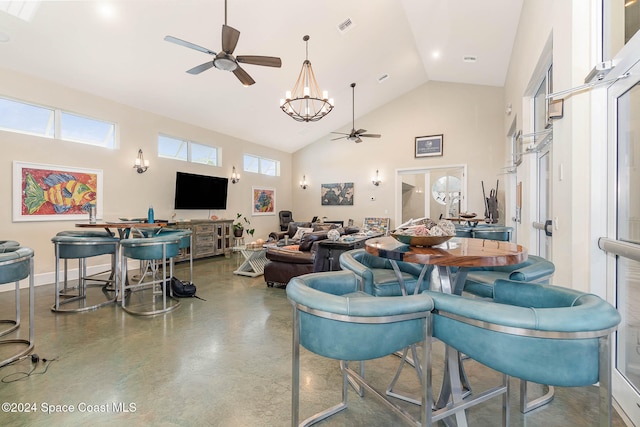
126, 193
568, 25
470, 117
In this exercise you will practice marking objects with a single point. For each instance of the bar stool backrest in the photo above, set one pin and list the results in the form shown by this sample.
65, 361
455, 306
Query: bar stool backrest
14, 265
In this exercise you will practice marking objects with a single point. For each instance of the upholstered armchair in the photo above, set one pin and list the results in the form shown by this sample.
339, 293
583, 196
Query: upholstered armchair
332, 318
377, 275
540, 333
285, 218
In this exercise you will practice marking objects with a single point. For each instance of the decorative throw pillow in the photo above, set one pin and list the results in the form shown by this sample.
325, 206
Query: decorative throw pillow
301, 231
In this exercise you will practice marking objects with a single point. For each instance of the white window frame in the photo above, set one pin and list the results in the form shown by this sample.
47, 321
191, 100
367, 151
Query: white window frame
190, 144
262, 167
110, 142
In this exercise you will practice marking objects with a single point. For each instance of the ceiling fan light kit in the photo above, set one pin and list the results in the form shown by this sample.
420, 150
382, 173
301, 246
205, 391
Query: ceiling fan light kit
306, 102
224, 60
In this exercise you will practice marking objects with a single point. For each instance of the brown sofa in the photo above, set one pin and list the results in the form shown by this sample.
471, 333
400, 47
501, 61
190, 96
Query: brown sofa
292, 228
290, 261
287, 262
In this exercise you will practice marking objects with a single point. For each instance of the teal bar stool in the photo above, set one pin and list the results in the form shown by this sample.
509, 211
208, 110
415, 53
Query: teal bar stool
157, 251
17, 264
492, 232
539, 333
333, 319
82, 245
184, 245
110, 281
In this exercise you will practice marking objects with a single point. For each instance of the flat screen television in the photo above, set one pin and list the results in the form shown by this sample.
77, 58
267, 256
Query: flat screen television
200, 191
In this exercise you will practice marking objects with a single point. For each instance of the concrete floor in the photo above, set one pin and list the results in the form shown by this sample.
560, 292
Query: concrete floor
224, 361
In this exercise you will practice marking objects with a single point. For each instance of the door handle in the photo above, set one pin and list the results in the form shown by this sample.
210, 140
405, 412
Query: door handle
548, 226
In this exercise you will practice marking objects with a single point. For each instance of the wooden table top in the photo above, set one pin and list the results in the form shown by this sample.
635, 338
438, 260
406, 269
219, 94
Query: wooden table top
457, 252
121, 224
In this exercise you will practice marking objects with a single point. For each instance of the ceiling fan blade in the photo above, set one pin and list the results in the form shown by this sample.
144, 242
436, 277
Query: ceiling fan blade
340, 137
200, 68
242, 75
230, 38
340, 133
358, 140
189, 45
369, 135
267, 61
359, 131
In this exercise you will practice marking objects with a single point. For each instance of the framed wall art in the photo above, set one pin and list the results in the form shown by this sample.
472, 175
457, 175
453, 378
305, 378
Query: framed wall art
339, 194
429, 146
55, 193
263, 201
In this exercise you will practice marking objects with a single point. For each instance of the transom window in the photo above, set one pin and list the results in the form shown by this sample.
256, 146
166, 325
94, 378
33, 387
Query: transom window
187, 151
31, 119
261, 165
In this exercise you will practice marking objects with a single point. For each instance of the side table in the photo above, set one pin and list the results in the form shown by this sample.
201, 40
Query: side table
254, 262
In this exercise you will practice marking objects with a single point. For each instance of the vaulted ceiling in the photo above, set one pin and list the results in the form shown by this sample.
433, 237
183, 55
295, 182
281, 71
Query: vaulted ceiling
116, 49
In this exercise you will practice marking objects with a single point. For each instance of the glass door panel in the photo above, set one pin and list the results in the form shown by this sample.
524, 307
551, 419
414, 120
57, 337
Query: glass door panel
628, 230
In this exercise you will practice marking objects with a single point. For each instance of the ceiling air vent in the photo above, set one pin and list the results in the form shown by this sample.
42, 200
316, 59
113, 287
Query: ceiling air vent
383, 78
345, 26
469, 58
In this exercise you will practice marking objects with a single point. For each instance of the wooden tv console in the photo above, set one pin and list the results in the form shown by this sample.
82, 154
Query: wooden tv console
208, 238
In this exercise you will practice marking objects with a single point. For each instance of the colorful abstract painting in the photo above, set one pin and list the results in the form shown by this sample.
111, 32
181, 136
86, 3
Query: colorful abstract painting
337, 194
263, 201
47, 192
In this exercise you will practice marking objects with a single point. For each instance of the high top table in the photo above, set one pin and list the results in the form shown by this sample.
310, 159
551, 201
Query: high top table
123, 227
463, 253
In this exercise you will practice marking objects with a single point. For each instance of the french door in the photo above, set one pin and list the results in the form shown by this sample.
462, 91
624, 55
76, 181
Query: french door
622, 243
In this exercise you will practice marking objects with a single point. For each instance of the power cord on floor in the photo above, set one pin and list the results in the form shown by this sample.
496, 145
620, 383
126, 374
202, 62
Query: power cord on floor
20, 375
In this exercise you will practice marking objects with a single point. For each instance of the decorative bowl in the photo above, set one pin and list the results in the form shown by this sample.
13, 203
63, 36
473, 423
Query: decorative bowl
421, 240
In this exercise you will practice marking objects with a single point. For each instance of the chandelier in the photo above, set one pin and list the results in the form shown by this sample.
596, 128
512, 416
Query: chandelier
306, 103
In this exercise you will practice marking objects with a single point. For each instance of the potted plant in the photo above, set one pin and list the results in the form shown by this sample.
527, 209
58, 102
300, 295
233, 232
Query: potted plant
238, 226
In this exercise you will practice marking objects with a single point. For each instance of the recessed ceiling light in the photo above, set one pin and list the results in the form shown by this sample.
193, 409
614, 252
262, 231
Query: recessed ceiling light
4, 37
469, 58
435, 54
106, 10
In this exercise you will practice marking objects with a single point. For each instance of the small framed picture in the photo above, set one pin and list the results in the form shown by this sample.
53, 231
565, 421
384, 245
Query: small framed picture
429, 146
263, 201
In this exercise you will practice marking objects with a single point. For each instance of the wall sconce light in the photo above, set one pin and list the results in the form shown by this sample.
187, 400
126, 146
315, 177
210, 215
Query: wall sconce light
303, 183
376, 180
141, 165
235, 177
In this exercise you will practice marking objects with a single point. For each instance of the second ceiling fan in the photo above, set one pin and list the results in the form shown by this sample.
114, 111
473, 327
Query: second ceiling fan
355, 135
224, 60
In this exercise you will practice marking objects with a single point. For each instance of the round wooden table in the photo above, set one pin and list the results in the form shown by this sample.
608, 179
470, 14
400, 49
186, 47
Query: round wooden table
123, 227
461, 252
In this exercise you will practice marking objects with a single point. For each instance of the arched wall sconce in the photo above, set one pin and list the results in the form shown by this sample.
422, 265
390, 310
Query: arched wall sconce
376, 180
235, 177
141, 165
